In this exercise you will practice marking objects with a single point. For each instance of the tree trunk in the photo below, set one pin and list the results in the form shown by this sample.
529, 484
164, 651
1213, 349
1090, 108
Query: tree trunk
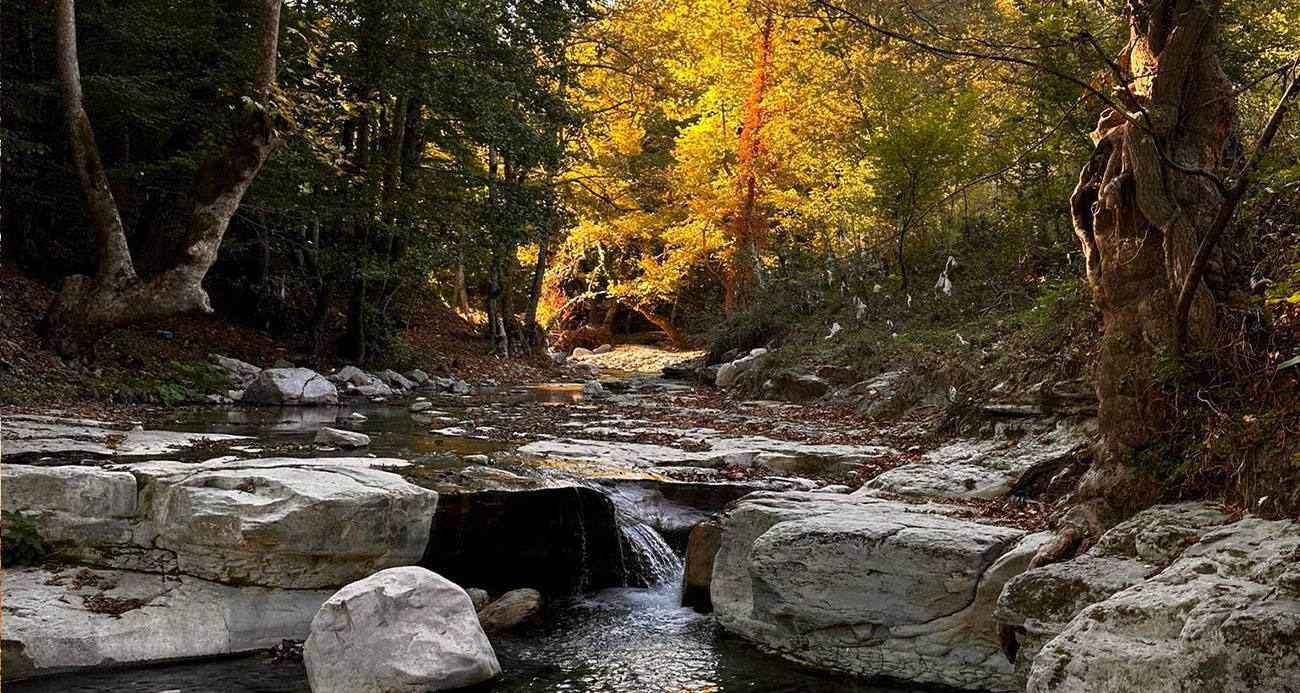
749, 228
460, 297
1141, 207
532, 331
674, 334
87, 307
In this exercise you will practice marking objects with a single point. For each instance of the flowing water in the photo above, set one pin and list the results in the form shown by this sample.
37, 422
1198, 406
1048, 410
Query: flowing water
625, 640
652, 559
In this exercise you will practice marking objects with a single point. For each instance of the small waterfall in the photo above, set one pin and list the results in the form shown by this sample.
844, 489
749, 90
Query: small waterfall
651, 559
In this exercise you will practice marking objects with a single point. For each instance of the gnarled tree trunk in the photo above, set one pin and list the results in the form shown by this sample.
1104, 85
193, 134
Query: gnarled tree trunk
1143, 205
87, 307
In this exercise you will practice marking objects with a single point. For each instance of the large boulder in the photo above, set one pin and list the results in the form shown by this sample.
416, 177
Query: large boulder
1041, 602
78, 619
417, 376
514, 609
349, 374
402, 630
1208, 604
869, 587
241, 372
281, 524
394, 379
290, 386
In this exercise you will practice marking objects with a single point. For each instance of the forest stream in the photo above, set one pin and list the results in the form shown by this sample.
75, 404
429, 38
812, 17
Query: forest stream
620, 639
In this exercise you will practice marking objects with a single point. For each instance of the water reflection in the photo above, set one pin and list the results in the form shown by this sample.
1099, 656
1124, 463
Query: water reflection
640, 641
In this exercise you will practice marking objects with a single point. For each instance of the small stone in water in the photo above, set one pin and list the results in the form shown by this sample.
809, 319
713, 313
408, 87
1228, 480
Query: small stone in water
342, 438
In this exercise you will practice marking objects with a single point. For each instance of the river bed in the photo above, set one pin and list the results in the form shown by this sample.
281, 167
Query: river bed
616, 641
622, 640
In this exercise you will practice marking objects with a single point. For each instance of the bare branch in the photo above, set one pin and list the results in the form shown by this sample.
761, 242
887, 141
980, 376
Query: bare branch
1227, 209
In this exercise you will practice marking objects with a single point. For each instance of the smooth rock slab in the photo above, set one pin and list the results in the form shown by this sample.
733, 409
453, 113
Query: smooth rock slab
279, 522
48, 629
36, 435
983, 468
745, 451
272, 523
86, 514
290, 386
402, 630
869, 587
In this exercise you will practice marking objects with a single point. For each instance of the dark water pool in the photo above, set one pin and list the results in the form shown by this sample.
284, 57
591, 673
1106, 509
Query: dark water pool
616, 641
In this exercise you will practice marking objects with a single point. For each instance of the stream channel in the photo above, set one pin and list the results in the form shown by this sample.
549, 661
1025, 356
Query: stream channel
616, 640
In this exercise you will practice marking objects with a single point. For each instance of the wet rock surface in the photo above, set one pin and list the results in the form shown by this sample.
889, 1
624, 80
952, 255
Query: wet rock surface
514, 609
697, 578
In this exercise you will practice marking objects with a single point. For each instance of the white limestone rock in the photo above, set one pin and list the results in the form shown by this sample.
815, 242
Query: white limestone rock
984, 468
273, 523
1043, 601
402, 630
280, 522
291, 386
417, 376
868, 587
342, 438
348, 375
241, 372
1225, 616
48, 628
29, 435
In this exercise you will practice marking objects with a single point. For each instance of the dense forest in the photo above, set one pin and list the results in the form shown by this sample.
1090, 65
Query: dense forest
407, 345
853, 181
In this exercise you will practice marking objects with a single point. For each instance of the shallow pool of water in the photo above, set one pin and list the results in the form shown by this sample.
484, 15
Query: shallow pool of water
616, 641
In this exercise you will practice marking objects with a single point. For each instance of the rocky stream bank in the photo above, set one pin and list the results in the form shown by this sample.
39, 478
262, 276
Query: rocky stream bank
449, 533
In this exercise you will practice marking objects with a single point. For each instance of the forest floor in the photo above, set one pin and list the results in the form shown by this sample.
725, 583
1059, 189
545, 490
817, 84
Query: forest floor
135, 370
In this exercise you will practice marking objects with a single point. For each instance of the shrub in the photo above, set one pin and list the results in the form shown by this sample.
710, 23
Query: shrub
21, 540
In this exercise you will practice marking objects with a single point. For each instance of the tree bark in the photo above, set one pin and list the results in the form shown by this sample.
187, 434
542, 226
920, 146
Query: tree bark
749, 228
87, 307
460, 297
1142, 205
